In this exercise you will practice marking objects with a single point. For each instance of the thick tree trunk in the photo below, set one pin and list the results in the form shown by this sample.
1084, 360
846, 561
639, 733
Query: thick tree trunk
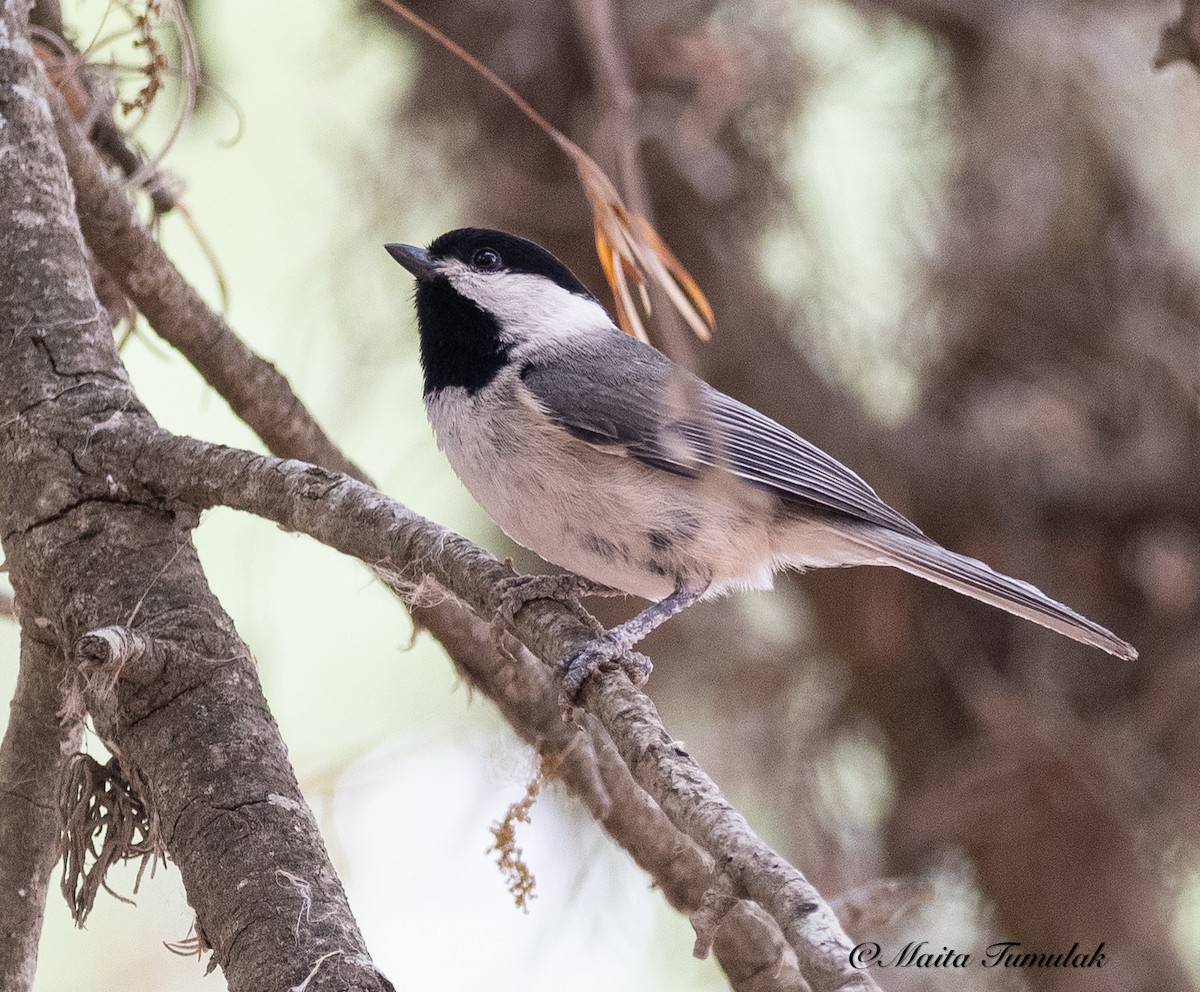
186, 719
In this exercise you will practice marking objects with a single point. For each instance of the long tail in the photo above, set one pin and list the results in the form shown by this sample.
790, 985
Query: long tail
974, 578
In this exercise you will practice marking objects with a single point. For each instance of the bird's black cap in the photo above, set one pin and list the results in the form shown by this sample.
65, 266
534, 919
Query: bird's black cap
514, 254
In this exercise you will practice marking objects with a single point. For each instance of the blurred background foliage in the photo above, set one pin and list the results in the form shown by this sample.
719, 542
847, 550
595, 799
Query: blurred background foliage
953, 242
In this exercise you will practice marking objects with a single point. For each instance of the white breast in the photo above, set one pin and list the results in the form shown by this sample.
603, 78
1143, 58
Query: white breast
514, 464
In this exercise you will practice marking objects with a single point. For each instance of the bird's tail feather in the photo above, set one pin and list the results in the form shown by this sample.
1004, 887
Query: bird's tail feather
974, 578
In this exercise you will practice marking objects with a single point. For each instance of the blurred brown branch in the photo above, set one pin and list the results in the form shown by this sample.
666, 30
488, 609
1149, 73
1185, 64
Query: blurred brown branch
618, 135
1180, 39
629, 248
877, 905
961, 22
1055, 435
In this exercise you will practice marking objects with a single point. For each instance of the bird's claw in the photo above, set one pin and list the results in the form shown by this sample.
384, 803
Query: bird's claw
515, 591
607, 651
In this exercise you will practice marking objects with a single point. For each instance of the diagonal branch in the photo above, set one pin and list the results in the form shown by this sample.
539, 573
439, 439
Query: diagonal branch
196, 741
31, 759
252, 386
414, 555
748, 946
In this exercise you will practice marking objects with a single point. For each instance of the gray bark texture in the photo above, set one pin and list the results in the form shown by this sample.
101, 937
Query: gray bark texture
31, 760
748, 944
186, 719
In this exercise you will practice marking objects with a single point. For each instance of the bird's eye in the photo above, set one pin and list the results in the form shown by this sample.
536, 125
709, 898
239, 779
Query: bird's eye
486, 259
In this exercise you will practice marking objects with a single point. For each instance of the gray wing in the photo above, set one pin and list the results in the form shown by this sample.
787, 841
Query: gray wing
621, 395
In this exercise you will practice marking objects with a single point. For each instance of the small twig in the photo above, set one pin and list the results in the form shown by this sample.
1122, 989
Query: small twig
102, 655
619, 102
253, 387
626, 242
510, 858
749, 946
199, 743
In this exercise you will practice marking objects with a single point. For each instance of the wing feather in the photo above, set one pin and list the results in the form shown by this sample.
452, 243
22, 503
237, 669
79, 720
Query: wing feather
625, 397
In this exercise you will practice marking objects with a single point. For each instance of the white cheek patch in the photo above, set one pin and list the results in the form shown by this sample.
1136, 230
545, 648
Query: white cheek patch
529, 307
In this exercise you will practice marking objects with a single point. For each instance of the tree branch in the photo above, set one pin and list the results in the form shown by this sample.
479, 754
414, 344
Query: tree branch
252, 386
195, 740
31, 759
418, 557
748, 943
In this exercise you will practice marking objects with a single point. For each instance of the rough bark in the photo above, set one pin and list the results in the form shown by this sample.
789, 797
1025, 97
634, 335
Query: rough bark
1057, 440
181, 660
748, 943
992, 753
31, 758
186, 718
255, 390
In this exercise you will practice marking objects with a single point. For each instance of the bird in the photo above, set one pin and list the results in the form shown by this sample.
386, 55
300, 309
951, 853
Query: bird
601, 455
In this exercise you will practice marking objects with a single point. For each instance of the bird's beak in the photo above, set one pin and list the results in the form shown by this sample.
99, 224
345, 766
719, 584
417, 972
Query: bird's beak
415, 259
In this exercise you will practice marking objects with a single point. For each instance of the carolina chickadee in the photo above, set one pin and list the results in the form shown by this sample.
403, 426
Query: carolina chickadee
600, 454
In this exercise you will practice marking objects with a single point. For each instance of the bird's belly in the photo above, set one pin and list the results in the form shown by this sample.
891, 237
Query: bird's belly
604, 516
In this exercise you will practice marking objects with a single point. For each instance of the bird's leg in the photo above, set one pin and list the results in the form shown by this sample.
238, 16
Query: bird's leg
614, 645
515, 591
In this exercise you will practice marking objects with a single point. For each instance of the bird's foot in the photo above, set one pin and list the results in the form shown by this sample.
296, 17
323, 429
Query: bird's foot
615, 646
608, 651
515, 591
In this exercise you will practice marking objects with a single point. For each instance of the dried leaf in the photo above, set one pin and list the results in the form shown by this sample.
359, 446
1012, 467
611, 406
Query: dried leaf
631, 252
